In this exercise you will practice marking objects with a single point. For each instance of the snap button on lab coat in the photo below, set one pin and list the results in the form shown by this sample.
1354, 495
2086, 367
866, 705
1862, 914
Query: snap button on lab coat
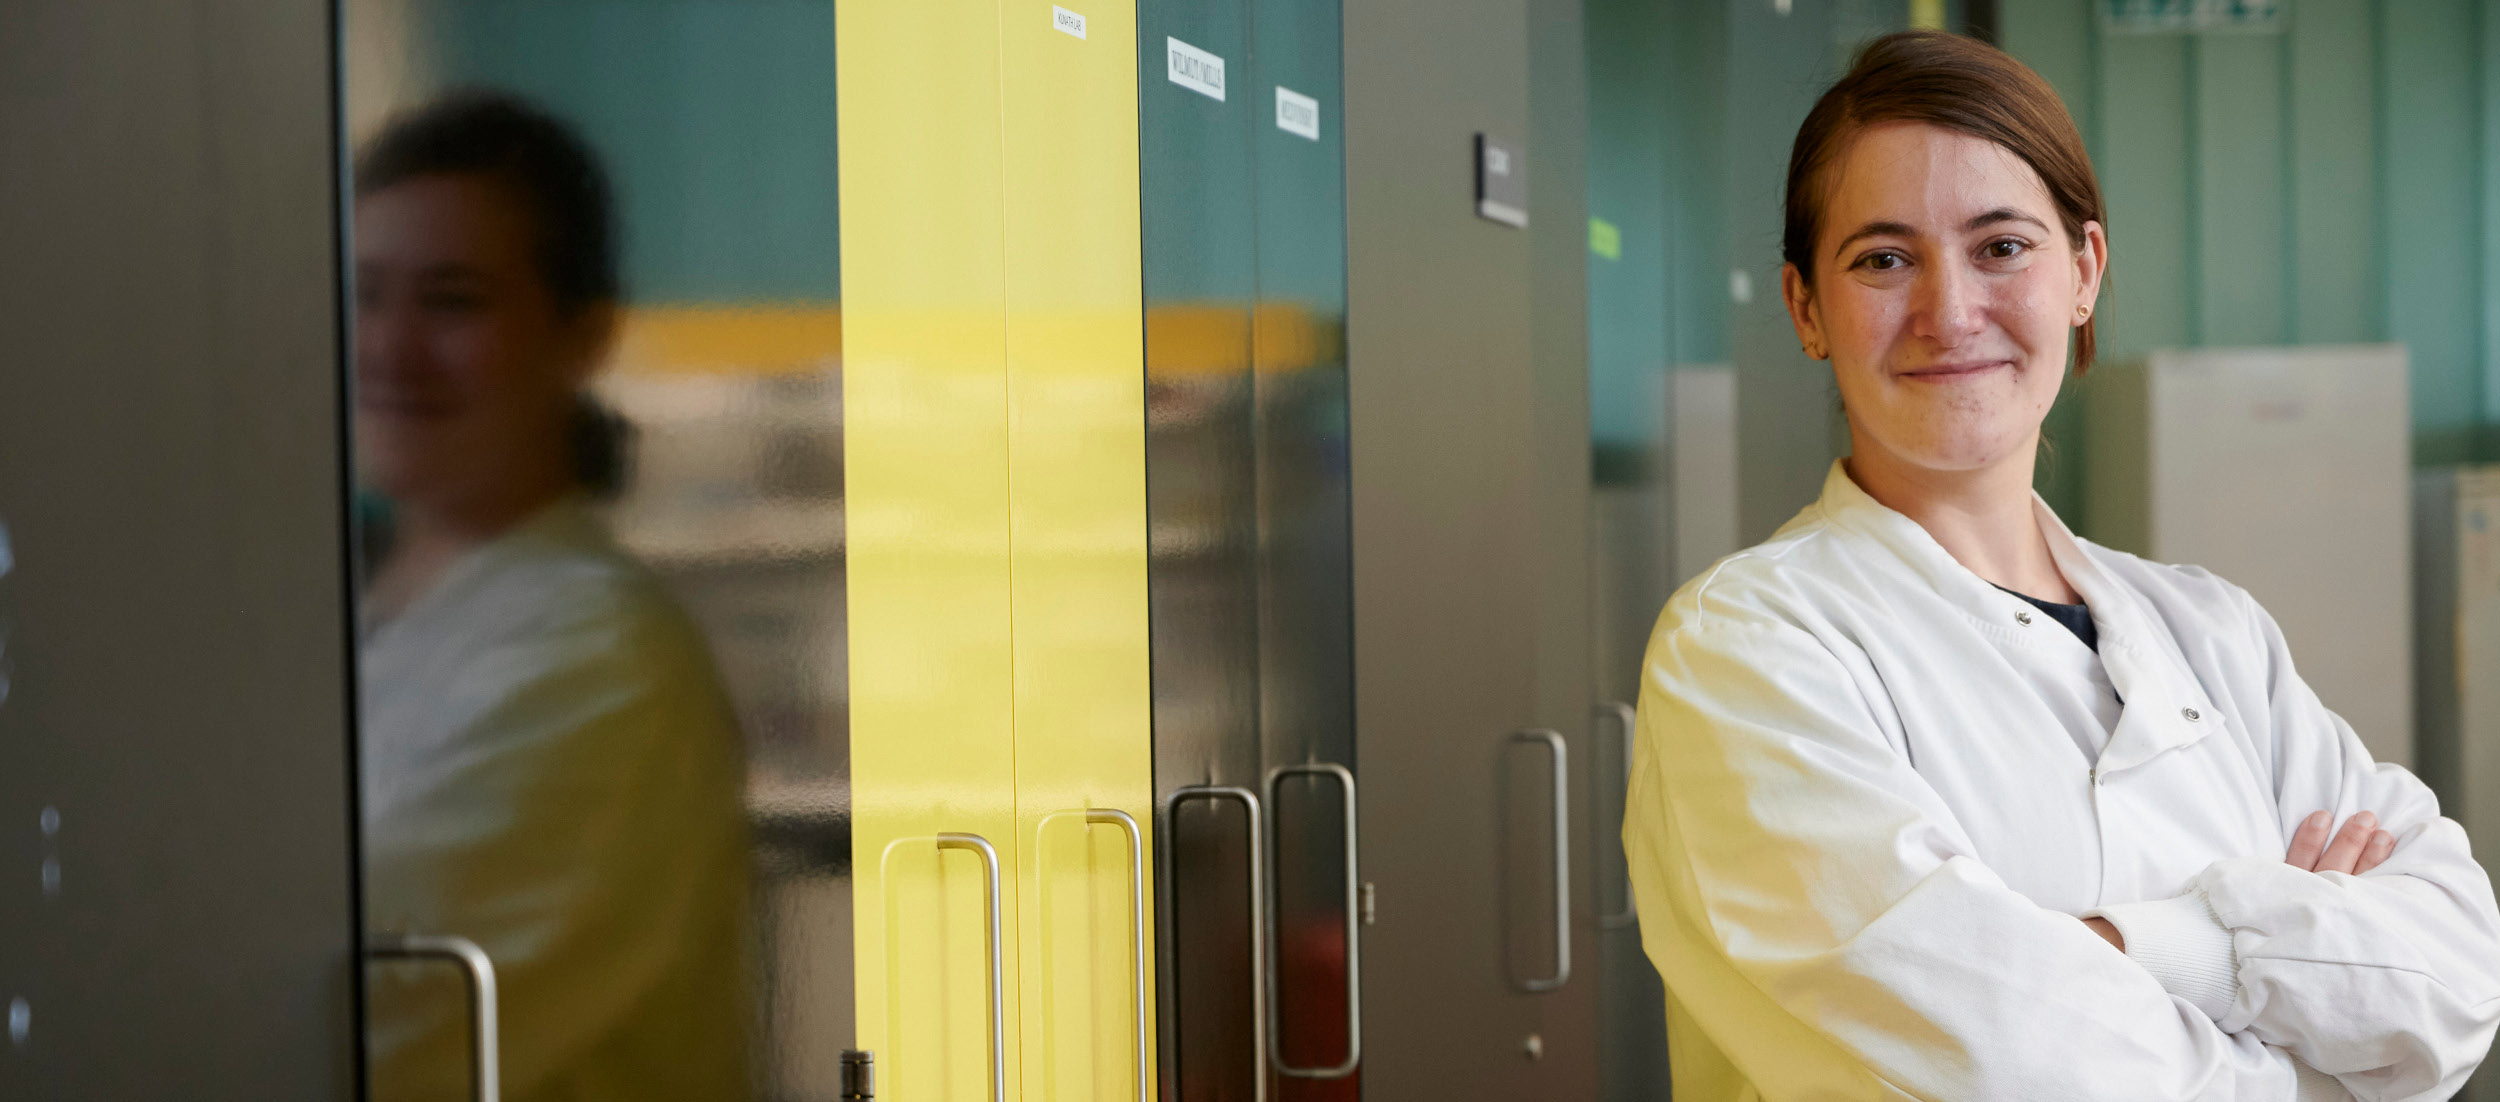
2023, 618
2192, 714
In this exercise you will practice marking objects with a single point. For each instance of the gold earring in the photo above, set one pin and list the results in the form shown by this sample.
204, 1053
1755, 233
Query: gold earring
2083, 312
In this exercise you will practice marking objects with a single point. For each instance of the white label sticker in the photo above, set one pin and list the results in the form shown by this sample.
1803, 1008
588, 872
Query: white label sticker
1067, 22
1194, 69
1297, 113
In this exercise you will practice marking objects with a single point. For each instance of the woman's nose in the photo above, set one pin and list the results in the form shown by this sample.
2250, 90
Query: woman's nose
1950, 304
385, 339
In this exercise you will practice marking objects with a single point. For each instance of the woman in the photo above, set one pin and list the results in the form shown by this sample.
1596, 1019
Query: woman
1936, 800
550, 766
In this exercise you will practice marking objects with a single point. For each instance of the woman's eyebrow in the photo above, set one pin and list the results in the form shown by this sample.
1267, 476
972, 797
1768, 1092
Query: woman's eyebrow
1902, 229
2002, 214
1882, 229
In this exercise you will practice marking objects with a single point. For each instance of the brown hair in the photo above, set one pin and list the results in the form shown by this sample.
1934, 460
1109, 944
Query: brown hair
544, 164
1960, 84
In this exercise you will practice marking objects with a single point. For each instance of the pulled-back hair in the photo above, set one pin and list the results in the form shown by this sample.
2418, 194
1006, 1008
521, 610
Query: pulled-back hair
551, 172
535, 157
1960, 84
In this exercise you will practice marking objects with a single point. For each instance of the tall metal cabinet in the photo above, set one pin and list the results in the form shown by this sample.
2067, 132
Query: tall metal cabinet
1242, 185
175, 824
995, 448
1468, 402
1367, 495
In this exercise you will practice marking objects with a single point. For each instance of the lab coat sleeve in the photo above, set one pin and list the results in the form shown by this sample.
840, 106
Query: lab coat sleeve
570, 839
2389, 980
1825, 921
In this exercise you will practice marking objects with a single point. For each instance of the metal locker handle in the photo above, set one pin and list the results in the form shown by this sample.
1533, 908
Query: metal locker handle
998, 990
1137, 919
1553, 741
1353, 936
1630, 915
1258, 914
488, 1066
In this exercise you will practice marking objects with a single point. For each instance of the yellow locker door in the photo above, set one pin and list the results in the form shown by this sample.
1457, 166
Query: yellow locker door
934, 839
1077, 452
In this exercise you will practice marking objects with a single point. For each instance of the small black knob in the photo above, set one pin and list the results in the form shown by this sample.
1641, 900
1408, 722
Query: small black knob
859, 1076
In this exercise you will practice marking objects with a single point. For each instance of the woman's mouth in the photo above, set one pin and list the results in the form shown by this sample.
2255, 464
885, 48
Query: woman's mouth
1954, 372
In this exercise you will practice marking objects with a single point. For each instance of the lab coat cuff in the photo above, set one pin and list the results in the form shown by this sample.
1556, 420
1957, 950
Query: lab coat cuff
2184, 946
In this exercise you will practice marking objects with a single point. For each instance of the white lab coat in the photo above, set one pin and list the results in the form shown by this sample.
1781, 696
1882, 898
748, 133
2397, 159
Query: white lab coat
1866, 814
550, 769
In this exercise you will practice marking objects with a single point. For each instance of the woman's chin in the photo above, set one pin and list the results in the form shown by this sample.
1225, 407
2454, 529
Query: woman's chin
1960, 453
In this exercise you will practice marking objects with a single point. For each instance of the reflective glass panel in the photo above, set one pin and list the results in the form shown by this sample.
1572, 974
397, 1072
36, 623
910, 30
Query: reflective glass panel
597, 428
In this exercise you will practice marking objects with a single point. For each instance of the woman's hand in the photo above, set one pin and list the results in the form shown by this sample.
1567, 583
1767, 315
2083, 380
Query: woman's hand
2357, 848
2108, 931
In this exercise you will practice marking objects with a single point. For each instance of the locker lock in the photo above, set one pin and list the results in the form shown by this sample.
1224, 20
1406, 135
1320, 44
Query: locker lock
859, 1076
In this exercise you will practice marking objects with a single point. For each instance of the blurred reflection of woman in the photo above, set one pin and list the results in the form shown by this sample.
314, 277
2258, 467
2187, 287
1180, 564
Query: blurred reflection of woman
1937, 800
550, 767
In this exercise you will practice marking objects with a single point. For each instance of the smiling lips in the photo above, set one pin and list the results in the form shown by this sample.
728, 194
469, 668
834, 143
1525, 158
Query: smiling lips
1954, 372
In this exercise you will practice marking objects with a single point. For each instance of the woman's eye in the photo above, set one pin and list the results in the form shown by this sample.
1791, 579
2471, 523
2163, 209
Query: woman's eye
2002, 250
1883, 262
454, 302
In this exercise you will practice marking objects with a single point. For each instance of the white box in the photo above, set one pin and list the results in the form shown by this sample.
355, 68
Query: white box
2287, 471
2457, 592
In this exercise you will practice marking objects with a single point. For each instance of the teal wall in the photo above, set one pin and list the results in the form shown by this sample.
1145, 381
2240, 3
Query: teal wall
2327, 184
1692, 107
715, 119
1630, 343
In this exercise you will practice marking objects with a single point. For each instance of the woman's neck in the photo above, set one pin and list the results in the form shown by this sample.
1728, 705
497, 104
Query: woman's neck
1982, 517
429, 536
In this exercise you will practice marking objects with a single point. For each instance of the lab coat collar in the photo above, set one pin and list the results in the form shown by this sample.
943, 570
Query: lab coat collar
2143, 661
2165, 706
567, 523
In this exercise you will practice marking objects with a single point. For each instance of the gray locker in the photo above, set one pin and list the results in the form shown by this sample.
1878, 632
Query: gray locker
175, 769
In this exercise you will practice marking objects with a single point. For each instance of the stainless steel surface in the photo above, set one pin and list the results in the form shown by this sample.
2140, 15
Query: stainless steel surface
1200, 269
1248, 503
175, 675
1468, 394
1353, 932
480, 973
1257, 865
1137, 934
1609, 829
1561, 757
998, 982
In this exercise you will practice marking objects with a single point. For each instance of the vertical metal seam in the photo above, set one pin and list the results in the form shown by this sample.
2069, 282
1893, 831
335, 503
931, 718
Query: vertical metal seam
342, 336
2287, 157
2192, 171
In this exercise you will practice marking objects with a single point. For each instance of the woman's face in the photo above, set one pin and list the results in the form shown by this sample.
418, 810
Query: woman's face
1943, 294
465, 368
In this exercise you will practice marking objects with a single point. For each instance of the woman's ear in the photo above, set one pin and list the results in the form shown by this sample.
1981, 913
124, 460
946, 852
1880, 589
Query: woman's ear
589, 336
1798, 294
2091, 263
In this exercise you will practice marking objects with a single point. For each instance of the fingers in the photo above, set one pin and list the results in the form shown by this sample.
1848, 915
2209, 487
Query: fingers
2309, 842
2344, 854
2108, 931
2382, 845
